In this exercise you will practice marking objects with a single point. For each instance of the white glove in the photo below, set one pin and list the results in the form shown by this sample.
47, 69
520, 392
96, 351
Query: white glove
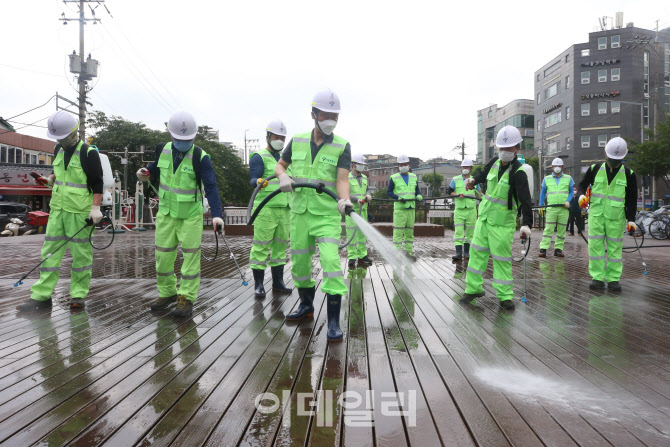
45, 181
469, 183
342, 204
368, 198
143, 174
95, 214
567, 204
631, 227
583, 201
217, 221
525, 230
285, 183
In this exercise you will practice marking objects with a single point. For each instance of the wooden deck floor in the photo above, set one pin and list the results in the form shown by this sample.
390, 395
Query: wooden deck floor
569, 367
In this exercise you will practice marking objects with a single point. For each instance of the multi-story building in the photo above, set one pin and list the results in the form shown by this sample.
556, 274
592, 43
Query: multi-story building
518, 113
448, 168
615, 84
382, 167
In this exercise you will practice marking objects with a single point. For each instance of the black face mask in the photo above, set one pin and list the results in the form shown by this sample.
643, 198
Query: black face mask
613, 163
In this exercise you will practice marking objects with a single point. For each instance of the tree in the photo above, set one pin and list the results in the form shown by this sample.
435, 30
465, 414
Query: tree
653, 156
434, 181
115, 133
380, 194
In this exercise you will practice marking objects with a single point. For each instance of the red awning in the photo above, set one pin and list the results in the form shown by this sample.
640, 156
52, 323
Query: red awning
25, 190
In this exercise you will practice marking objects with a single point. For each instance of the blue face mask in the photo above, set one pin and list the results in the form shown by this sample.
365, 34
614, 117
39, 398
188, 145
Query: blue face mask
182, 145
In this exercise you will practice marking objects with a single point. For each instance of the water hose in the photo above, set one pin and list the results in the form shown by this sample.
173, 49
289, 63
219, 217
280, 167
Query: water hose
217, 232
259, 186
111, 222
251, 217
430, 198
524, 252
89, 221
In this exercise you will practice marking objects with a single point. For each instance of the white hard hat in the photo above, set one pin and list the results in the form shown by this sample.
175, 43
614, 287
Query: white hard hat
557, 162
402, 158
358, 158
182, 126
508, 136
466, 162
61, 124
276, 127
616, 148
327, 101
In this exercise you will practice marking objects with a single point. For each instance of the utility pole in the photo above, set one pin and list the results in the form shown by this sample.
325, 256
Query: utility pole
85, 69
249, 145
463, 150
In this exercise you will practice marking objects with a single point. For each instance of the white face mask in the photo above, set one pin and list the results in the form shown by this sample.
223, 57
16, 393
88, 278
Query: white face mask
557, 170
359, 167
277, 145
404, 169
327, 126
465, 171
506, 156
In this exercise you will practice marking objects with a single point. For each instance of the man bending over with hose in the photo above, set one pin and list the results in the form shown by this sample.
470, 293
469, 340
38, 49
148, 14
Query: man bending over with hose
77, 194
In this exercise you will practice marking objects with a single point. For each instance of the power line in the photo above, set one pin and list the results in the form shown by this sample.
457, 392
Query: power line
32, 71
34, 108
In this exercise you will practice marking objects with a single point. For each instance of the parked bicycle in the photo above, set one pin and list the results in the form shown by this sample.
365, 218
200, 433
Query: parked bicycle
659, 227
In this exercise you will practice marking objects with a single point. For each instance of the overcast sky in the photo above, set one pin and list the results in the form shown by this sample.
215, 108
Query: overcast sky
410, 75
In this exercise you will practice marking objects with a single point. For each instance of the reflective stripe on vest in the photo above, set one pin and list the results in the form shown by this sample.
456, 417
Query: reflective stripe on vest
269, 163
358, 191
404, 190
70, 190
608, 199
323, 169
557, 194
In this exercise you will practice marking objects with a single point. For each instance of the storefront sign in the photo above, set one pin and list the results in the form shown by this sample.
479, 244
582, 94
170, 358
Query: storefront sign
21, 177
552, 107
601, 95
597, 63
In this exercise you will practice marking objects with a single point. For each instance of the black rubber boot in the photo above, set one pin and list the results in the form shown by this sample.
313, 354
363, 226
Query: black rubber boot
32, 305
597, 285
278, 280
351, 264
365, 261
306, 307
543, 253
77, 303
466, 254
559, 253
614, 286
459, 253
163, 302
467, 297
259, 290
507, 305
334, 331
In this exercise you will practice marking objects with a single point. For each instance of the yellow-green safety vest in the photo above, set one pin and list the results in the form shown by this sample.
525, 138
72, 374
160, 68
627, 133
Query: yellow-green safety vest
404, 190
178, 193
557, 194
608, 199
358, 191
322, 170
494, 206
70, 190
459, 188
269, 163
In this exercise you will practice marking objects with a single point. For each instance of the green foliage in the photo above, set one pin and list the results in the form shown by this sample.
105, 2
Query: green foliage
653, 156
534, 162
114, 133
380, 194
434, 181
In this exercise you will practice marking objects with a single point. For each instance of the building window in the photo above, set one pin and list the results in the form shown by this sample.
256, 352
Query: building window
616, 106
490, 113
616, 41
3, 154
567, 144
602, 43
586, 141
552, 119
567, 113
567, 82
586, 109
615, 74
539, 125
602, 108
602, 75
33, 159
14, 155
586, 52
567, 57
539, 96
552, 147
586, 77
538, 77
551, 91
602, 140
